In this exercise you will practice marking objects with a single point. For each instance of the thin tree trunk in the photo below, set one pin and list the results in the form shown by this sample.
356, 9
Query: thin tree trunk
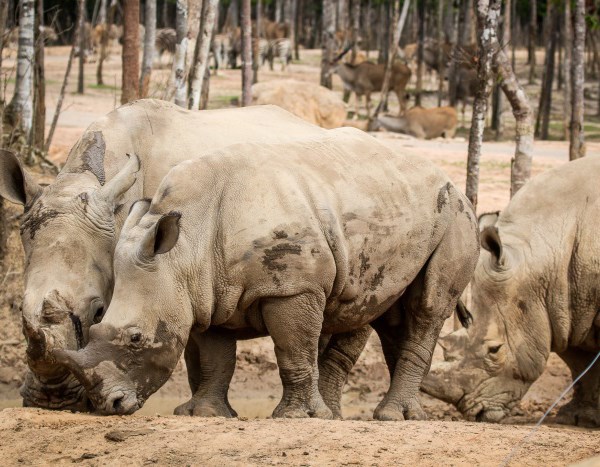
328, 42
532, 39
545, 106
205, 89
81, 40
255, 42
506, 39
398, 21
355, 29
3, 229
452, 72
577, 139
487, 40
440, 52
567, 61
207, 23
420, 44
149, 41
177, 84
299, 30
3, 37
246, 53
102, 12
61, 97
104, 42
515, 27
39, 83
131, 54
22, 101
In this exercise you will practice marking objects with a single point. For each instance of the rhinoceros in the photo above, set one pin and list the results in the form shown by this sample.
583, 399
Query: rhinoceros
536, 290
70, 228
289, 240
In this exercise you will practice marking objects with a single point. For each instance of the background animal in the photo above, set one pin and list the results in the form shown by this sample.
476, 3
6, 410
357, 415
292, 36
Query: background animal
423, 123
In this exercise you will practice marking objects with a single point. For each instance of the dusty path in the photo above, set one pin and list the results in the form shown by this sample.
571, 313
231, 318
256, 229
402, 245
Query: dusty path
141, 440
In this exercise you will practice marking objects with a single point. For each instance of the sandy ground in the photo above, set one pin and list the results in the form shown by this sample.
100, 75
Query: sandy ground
37, 437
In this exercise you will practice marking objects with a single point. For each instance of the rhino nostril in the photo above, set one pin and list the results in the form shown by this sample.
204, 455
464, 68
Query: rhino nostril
480, 415
117, 404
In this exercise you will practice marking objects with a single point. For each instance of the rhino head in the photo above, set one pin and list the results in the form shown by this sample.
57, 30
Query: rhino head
489, 367
136, 347
68, 232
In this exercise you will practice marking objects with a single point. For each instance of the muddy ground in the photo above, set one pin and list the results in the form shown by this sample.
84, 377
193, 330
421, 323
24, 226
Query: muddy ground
29, 436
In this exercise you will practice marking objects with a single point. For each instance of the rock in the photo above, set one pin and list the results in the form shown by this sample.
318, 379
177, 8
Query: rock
121, 435
311, 102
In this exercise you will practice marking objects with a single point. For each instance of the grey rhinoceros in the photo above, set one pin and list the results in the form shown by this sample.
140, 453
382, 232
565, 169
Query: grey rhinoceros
70, 228
536, 290
288, 240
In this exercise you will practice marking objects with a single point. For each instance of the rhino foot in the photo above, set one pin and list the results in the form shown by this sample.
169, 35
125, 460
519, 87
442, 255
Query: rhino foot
388, 411
579, 414
205, 408
296, 409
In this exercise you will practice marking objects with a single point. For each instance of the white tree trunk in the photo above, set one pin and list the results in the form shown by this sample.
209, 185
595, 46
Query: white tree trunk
149, 41
177, 85
102, 12
577, 141
22, 102
203, 43
568, 44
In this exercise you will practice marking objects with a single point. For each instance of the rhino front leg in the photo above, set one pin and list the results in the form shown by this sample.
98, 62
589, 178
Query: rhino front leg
336, 362
294, 324
584, 408
210, 361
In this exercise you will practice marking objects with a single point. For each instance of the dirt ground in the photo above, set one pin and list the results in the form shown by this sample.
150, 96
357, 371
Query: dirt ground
31, 436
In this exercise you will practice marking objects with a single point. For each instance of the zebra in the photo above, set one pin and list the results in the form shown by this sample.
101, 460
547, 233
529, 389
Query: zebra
221, 48
260, 50
281, 48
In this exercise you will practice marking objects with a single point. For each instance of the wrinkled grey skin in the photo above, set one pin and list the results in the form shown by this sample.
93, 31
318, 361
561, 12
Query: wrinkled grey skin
535, 291
288, 240
70, 228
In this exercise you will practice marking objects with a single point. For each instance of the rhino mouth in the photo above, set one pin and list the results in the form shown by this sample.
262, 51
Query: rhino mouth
63, 392
117, 402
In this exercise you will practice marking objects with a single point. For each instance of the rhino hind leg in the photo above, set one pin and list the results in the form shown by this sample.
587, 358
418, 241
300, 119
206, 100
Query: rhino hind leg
210, 361
335, 363
294, 323
584, 408
410, 329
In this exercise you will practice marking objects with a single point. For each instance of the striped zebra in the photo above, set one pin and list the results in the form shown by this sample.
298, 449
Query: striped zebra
221, 49
281, 48
260, 50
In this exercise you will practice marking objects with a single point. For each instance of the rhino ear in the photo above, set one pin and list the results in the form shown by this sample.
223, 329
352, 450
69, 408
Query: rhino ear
16, 185
136, 212
490, 241
163, 237
115, 188
488, 219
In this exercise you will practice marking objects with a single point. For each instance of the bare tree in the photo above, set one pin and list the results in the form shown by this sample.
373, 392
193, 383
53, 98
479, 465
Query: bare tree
110, 17
131, 55
355, 28
246, 53
499, 97
177, 85
420, 44
39, 82
21, 106
577, 139
102, 12
440, 51
3, 37
567, 86
207, 23
532, 39
545, 106
487, 40
81, 39
398, 21
328, 42
149, 41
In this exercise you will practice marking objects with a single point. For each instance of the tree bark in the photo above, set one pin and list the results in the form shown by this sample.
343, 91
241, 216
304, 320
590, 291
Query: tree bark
577, 137
102, 12
246, 53
22, 101
207, 23
398, 21
3, 229
177, 85
452, 75
532, 39
81, 41
420, 44
149, 41
545, 106
499, 102
328, 42
131, 58
104, 42
39, 83
3, 37
567, 85
440, 51
487, 40
355, 29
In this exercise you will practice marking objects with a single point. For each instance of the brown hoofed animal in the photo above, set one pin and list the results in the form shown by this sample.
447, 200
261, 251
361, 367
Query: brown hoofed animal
367, 77
288, 240
422, 123
70, 228
536, 290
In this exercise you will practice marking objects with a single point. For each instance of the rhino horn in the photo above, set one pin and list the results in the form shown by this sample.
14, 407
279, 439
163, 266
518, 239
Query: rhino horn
36, 341
74, 361
113, 190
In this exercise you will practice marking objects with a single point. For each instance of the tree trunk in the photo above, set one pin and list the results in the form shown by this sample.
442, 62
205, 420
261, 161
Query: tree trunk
3, 37
102, 12
545, 106
328, 42
21, 104
298, 28
355, 29
398, 21
452, 81
246, 53
39, 83
3, 227
577, 140
256, 34
499, 102
81, 41
440, 51
567, 85
104, 42
131, 54
177, 85
487, 41
278, 11
532, 39
207, 23
149, 41
420, 44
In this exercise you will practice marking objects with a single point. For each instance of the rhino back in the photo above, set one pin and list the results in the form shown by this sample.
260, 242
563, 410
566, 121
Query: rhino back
343, 215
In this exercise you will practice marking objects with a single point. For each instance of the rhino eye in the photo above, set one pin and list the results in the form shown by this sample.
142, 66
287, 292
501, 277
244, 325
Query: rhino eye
494, 349
136, 337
